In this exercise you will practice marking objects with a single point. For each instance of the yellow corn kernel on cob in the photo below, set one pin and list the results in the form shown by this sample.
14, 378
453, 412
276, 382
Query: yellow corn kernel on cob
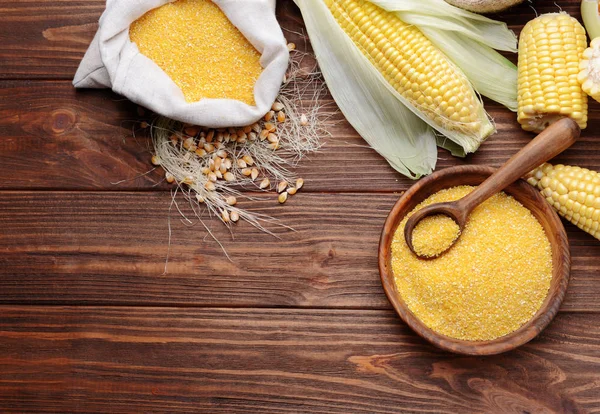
414, 67
589, 75
550, 49
573, 191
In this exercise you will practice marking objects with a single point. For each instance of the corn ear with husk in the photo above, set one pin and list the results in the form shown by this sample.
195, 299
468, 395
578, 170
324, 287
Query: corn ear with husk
469, 40
493, 75
393, 130
370, 58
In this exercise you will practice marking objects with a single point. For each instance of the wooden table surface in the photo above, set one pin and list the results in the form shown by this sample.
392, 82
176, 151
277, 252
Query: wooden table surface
88, 322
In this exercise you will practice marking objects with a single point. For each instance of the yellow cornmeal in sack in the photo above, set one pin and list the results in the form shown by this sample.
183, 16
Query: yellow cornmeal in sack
491, 282
194, 42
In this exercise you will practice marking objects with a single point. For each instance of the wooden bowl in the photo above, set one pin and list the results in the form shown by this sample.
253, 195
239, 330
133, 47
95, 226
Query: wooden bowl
526, 195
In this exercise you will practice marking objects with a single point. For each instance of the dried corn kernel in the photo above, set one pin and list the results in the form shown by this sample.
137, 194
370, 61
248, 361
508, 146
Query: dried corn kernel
225, 216
264, 184
248, 159
282, 186
303, 120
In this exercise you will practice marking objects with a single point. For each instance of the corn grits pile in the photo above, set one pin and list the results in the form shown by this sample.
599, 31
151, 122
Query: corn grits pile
433, 235
490, 283
200, 49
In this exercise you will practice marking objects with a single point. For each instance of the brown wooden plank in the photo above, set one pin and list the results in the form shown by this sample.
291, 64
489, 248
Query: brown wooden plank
110, 248
54, 137
44, 39
63, 359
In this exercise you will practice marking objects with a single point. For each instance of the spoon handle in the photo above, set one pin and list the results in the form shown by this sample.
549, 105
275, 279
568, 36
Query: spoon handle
548, 144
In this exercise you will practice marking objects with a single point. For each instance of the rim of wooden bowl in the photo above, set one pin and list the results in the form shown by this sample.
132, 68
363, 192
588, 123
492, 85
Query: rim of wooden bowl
526, 195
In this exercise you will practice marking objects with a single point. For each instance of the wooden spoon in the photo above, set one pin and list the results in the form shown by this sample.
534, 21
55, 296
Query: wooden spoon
551, 142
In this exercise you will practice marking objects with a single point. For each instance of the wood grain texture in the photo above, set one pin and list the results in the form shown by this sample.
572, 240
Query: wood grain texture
54, 137
42, 39
117, 360
110, 248
105, 244
47, 40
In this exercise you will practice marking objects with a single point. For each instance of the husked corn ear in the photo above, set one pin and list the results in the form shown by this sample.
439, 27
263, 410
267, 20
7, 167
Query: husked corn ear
550, 49
414, 67
573, 191
589, 75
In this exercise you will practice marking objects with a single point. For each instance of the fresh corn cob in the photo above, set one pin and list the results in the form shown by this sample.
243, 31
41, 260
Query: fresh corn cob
589, 76
415, 68
573, 191
550, 49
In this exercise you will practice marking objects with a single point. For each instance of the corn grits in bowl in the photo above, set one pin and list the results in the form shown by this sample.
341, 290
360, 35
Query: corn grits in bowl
498, 286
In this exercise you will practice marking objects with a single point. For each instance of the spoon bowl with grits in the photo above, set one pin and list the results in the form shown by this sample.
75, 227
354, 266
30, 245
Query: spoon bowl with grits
528, 197
548, 144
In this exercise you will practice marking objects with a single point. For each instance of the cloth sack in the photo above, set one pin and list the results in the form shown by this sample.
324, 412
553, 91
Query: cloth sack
113, 61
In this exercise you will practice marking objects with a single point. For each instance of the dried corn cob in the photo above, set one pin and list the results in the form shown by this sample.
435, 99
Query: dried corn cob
550, 49
415, 68
589, 76
573, 191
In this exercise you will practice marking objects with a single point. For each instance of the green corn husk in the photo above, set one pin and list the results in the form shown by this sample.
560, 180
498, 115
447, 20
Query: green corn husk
386, 120
407, 143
